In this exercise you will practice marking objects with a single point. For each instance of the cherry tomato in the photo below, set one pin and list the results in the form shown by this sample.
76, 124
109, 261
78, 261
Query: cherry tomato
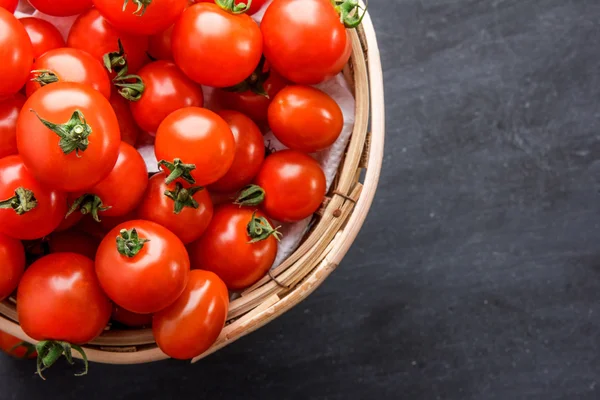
9, 5
61, 8
68, 65
73, 241
59, 298
239, 246
305, 119
28, 210
9, 111
215, 47
166, 89
12, 255
91, 32
200, 139
254, 7
188, 327
69, 221
43, 35
305, 47
16, 53
120, 192
142, 266
130, 319
89, 146
249, 153
16, 347
294, 185
183, 209
129, 129
159, 45
141, 17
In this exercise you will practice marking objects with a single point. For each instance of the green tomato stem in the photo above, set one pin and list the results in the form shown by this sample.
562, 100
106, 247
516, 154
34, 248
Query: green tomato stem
44, 77
251, 195
350, 11
23, 201
183, 197
73, 134
129, 243
231, 7
260, 229
142, 5
88, 204
178, 170
49, 351
255, 82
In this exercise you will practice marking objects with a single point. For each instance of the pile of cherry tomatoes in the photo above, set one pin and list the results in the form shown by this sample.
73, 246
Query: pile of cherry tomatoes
86, 234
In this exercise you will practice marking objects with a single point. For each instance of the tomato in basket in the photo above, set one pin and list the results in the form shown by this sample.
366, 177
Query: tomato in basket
16, 53
12, 265
43, 35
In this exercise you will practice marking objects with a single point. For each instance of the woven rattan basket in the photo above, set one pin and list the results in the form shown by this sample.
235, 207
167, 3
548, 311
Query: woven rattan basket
334, 230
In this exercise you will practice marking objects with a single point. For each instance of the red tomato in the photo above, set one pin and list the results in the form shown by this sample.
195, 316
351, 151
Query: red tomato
307, 49
69, 221
89, 147
159, 46
73, 241
9, 111
294, 185
120, 192
28, 210
16, 53
12, 255
61, 8
129, 129
305, 119
184, 210
215, 47
130, 319
201, 140
43, 35
68, 65
91, 32
16, 347
232, 247
145, 270
166, 89
188, 327
141, 17
249, 153
9, 5
254, 7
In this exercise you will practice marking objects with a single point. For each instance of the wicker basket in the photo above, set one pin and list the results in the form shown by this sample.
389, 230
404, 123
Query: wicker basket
336, 227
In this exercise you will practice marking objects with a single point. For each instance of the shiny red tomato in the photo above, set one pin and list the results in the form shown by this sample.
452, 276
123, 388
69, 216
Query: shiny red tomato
43, 35
81, 149
254, 7
16, 53
28, 210
16, 347
69, 221
183, 209
120, 192
9, 5
61, 8
159, 46
239, 246
145, 269
306, 49
129, 129
166, 89
73, 241
294, 185
196, 144
305, 119
249, 153
188, 327
215, 47
12, 255
91, 32
68, 65
141, 17
9, 111
130, 319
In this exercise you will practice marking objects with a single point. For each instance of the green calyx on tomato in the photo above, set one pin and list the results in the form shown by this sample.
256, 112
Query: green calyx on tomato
255, 82
251, 195
49, 351
44, 76
178, 170
130, 86
183, 197
142, 5
29, 349
259, 229
351, 12
22, 202
88, 204
129, 243
230, 6
73, 134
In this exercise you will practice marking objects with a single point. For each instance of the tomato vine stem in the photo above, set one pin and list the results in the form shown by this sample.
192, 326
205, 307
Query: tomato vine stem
260, 229
73, 134
23, 201
183, 197
49, 351
251, 195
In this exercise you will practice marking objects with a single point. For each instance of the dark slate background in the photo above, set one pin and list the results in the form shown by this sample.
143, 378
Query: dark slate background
476, 275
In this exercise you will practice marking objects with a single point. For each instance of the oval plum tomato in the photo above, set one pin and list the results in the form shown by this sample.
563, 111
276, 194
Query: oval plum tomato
61, 8
129, 129
188, 327
73, 241
130, 319
215, 47
249, 153
68, 136
91, 32
12, 255
196, 145
239, 246
306, 46
16, 347
254, 6
120, 192
142, 266
166, 89
294, 185
68, 65
9, 111
305, 119
141, 17
9, 5
43, 35
159, 45
183, 209
16, 53
28, 210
